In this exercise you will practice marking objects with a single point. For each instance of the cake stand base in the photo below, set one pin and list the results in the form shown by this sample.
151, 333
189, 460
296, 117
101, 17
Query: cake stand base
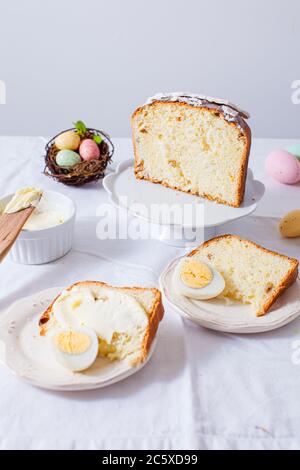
182, 237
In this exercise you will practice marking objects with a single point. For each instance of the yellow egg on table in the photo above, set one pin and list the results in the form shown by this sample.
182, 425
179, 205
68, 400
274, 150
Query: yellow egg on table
289, 226
68, 140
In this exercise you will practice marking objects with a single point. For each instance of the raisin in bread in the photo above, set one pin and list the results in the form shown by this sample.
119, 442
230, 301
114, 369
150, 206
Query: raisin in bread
194, 144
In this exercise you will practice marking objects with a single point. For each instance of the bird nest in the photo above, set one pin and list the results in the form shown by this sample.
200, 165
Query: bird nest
85, 171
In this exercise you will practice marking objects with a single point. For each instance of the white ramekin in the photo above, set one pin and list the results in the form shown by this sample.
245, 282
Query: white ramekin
44, 246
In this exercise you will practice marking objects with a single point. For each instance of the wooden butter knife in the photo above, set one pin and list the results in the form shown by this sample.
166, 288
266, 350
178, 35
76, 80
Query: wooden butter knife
10, 228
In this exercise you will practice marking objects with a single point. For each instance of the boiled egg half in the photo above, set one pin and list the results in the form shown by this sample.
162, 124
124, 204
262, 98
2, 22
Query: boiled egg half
197, 280
75, 349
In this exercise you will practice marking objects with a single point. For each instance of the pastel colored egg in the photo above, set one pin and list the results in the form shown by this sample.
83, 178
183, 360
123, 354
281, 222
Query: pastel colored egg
289, 226
295, 150
67, 140
283, 167
67, 158
89, 150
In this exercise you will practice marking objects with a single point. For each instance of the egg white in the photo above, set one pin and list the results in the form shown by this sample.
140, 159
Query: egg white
212, 290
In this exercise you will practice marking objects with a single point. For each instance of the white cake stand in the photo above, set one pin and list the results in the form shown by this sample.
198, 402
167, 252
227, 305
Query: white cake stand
198, 218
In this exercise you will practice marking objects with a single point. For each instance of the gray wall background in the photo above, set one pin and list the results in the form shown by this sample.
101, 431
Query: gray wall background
96, 60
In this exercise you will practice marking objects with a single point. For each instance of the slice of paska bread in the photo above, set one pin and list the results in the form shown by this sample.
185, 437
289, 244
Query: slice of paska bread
125, 319
193, 143
253, 274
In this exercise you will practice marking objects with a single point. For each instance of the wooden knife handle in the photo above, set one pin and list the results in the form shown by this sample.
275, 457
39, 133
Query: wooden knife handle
10, 228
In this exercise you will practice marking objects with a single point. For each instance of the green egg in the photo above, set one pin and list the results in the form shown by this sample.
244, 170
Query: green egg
295, 150
67, 158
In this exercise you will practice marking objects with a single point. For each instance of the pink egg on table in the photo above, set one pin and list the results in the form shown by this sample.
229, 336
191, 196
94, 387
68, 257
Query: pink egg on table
89, 150
283, 167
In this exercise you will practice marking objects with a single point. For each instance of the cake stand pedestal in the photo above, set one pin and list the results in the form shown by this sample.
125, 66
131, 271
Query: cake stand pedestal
176, 218
183, 237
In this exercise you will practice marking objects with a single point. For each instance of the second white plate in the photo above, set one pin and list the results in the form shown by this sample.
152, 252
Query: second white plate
233, 317
30, 357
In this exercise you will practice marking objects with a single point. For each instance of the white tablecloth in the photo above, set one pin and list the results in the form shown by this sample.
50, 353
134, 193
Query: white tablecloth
201, 389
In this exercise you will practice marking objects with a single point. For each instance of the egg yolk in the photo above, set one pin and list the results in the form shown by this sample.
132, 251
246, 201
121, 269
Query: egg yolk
105, 348
71, 342
196, 275
76, 303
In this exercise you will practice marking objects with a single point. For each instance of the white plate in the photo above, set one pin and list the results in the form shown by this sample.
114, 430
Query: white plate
31, 358
233, 317
126, 191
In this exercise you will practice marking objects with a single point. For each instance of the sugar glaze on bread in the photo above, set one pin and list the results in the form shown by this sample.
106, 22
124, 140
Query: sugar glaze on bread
253, 274
192, 143
136, 349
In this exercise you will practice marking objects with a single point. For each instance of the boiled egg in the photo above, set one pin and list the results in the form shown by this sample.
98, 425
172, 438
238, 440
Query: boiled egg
75, 349
197, 280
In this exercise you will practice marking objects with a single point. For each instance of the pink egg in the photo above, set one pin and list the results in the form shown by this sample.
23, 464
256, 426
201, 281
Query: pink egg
283, 167
89, 150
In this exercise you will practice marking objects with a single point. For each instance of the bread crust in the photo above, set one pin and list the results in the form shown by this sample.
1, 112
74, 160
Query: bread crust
289, 279
155, 315
244, 167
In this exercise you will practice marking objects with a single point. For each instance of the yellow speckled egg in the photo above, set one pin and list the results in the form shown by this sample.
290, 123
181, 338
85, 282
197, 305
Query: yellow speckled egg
290, 225
68, 140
